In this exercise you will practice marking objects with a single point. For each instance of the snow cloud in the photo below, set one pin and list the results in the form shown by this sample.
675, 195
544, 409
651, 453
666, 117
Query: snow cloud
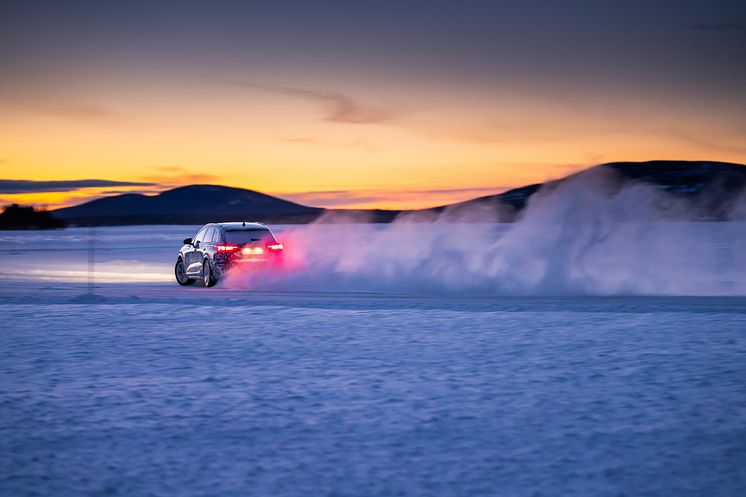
587, 235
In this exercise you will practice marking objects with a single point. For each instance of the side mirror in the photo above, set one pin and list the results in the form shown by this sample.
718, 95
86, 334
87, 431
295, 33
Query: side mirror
187, 241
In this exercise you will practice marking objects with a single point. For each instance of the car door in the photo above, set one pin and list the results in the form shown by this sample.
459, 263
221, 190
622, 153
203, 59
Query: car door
193, 257
208, 244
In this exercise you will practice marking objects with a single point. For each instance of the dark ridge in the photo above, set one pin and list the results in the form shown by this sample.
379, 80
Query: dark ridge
683, 177
711, 187
194, 204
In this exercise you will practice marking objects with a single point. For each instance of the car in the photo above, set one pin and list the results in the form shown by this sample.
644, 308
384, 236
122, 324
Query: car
218, 247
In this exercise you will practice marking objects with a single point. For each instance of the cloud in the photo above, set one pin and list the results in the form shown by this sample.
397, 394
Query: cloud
718, 27
78, 111
16, 186
338, 107
334, 198
368, 197
316, 142
143, 191
170, 176
704, 143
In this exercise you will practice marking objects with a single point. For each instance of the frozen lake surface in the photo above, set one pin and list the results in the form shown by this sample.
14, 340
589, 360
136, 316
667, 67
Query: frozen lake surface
348, 389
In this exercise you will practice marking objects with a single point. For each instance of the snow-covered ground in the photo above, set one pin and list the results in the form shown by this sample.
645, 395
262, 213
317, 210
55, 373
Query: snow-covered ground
525, 258
410, 359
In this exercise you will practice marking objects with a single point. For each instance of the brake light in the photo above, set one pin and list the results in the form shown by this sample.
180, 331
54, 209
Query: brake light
275, 246
226, 248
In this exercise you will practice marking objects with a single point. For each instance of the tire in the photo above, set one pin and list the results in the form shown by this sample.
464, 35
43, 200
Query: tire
180, 273
208, 276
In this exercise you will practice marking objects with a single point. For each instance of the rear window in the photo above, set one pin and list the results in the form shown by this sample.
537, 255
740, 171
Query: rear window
241, 237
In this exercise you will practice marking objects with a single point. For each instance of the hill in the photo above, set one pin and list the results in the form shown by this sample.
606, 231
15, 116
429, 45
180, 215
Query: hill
194, 204
710, 186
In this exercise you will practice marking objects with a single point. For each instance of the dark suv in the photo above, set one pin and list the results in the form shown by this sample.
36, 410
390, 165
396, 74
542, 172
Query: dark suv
219, 246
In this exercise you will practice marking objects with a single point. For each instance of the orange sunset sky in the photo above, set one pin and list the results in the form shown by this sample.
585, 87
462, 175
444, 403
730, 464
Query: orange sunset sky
358, 106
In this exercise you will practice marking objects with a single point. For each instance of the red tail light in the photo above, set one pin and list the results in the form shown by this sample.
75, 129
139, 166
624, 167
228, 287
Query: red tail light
226, 248
275, 246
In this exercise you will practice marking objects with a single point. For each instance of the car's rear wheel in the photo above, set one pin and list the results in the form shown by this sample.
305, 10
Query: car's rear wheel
180, 272
208, 276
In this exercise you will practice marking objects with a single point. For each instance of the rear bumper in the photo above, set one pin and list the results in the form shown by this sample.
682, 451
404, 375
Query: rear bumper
246, 262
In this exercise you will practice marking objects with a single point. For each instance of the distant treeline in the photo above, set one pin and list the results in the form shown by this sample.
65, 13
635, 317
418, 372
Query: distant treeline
17, 216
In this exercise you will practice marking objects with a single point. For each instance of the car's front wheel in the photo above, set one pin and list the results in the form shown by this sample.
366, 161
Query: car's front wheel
208, 276
180, 272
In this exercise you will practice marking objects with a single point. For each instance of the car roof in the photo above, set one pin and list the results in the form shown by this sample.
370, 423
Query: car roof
242, 225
